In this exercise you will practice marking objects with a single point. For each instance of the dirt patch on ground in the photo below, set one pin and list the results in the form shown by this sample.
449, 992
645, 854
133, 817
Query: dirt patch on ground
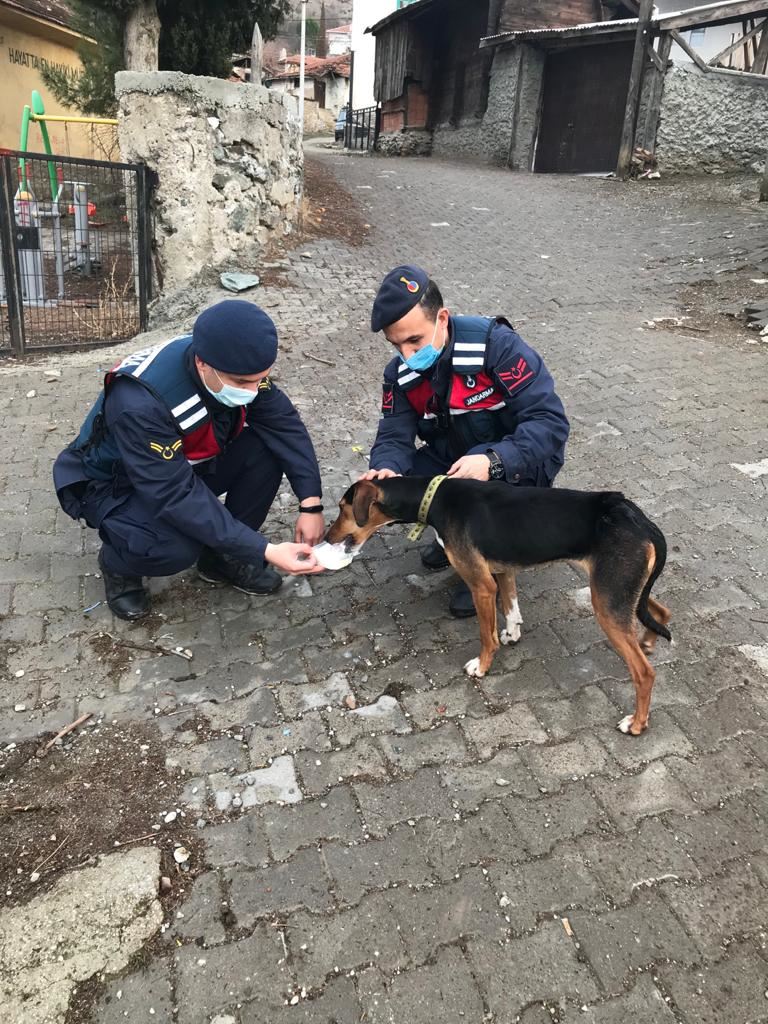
330, 210
102, 788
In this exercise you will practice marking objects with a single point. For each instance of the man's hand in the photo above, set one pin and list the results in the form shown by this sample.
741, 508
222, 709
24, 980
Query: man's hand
310, 528
471, 467
378, 474
296, 559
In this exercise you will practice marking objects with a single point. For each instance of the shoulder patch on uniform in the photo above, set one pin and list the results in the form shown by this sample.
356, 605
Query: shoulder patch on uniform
516, 375
265, 384
387, 399
165, 451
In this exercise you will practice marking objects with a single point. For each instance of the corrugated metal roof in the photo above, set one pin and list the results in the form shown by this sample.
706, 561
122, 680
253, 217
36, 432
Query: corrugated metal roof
693, 16
404, 12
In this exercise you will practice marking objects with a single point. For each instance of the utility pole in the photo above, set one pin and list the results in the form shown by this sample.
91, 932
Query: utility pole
301, 67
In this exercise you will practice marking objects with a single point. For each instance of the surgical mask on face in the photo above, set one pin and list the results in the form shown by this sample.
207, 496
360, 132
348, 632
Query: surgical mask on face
230, 395
427, 356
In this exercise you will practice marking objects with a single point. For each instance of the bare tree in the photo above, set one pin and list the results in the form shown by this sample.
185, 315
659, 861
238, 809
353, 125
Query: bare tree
142, 37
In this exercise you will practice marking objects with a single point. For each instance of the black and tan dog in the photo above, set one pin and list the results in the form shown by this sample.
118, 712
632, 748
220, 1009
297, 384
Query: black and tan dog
490, 530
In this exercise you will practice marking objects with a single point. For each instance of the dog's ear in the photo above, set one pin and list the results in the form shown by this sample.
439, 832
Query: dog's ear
366, 492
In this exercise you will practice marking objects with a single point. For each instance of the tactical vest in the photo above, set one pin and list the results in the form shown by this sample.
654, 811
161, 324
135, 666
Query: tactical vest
472, 392
163, 371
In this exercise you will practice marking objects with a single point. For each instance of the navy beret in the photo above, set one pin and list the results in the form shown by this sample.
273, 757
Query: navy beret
235, 336
400, 291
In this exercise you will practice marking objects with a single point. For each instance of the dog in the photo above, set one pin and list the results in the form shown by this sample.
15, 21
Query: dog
490, 530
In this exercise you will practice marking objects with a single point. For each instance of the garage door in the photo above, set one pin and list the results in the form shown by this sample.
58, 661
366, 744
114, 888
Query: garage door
585, 93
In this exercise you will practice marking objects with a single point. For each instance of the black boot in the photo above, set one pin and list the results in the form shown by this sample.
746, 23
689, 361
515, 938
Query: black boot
126, 595
433, 556
462, 605
216, 567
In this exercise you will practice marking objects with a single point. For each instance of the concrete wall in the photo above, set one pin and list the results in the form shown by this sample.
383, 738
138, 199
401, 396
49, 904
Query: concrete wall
716, 121
506, 132
229, 162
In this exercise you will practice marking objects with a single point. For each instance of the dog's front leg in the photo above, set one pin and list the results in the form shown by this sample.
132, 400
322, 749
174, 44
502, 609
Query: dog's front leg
484, 596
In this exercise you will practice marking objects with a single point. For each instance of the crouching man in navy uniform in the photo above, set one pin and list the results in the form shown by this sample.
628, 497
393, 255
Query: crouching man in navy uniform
174, 427
481, 399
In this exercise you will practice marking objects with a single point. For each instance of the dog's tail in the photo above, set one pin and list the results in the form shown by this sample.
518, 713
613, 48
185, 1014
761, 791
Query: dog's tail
659, 542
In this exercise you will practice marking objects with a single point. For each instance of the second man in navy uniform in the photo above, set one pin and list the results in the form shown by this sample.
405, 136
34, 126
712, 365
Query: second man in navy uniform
469, 387
175, 426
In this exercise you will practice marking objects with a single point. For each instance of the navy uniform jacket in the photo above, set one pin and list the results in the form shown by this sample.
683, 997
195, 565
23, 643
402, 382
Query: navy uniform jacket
488, 390
137, 420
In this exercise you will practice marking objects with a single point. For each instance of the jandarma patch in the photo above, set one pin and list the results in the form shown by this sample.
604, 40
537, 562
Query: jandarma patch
165, 451
412, 286
265, 384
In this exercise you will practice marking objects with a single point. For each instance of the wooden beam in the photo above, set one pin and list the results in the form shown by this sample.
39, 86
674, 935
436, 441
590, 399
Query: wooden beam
691, 53
761, 57
735, 45
633, 91
655, 57
711, 15
656, 92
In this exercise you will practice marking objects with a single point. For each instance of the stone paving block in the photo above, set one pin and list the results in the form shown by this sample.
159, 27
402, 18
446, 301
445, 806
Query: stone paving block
651, 791
439, 745
662, 737
505, 774
539, 967
718, 775
237, 842
586, 709
377, 864
733, 989
643, 1005
216, 980
211, 756
383, 716
482, 838
730, 714
571, 672
707, 677
713, 838
440, 915
297, 884
141, 995
305, 733
276, 784
528, 681
257, 709
199, 917
337, 1004
373, 996
301, 697
552, 765
553, 885
548, 821
365, 935
427, 707
319, 772
417, 797
444, 991
333, 817
732, 905
620, 942
637, 860
519, 725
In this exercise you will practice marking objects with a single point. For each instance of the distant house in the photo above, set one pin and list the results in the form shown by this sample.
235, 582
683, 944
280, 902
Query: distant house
35, 34
326, 86
545, 87
339, 40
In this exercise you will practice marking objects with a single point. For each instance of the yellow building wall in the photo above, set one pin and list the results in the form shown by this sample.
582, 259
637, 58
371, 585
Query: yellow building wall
26, 45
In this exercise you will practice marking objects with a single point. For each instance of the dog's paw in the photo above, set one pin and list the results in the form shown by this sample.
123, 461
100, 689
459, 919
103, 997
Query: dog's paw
510, 635
472, 668
625, 726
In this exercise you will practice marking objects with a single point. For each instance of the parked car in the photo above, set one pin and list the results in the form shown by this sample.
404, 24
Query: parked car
358, 127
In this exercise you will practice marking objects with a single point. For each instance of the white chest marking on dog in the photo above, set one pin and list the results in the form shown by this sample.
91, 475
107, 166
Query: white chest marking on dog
511, 632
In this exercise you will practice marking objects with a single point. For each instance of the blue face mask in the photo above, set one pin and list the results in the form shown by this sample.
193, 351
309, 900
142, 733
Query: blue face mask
230, 395
425, 357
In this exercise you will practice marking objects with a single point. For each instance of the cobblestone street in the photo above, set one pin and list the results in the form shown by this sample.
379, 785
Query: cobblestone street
450, 850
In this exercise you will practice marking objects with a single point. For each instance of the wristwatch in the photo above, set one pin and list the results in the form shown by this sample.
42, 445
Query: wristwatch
496, 471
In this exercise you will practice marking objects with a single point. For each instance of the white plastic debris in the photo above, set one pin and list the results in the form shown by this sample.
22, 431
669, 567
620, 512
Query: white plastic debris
20, 707
31, 394
19, 673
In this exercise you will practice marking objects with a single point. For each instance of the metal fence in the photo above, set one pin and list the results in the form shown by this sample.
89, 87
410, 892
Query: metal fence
75, 241
362, 128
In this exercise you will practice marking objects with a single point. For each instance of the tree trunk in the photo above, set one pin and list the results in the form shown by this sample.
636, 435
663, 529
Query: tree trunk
142, 36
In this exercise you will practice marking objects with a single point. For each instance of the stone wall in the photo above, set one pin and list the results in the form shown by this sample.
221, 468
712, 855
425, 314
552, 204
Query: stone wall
415, 142
506, 132
715, 121
229, 164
